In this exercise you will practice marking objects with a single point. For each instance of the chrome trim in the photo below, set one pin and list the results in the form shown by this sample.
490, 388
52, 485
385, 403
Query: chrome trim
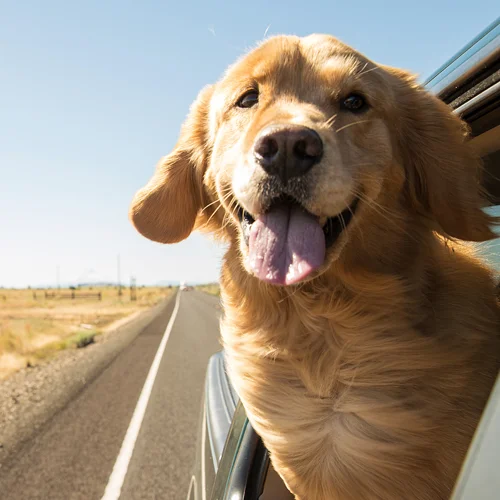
211, 439
220, 404
478, 100
476, 56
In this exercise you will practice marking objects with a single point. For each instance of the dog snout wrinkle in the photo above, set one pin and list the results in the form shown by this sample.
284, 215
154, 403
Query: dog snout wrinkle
288, 151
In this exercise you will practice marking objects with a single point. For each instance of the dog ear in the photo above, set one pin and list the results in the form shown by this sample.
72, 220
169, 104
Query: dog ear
165, 210
442, 172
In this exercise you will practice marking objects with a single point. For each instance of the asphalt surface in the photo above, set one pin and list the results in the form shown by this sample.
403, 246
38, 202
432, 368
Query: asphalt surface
72, 457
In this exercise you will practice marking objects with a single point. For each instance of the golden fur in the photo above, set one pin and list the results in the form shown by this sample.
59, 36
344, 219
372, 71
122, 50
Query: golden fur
367, 380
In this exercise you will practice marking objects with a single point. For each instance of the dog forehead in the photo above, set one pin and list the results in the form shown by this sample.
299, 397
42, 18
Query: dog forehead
285, 54
289, 63
324, 47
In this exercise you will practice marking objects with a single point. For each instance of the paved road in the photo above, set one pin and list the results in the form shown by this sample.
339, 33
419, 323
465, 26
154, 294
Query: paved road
73, 456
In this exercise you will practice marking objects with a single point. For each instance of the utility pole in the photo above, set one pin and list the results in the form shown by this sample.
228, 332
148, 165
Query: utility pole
119, 280
133, 289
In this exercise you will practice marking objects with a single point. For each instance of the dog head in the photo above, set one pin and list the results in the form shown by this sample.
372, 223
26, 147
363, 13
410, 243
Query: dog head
293, 152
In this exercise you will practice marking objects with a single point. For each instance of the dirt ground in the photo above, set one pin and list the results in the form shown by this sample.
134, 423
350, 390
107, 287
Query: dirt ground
35, 324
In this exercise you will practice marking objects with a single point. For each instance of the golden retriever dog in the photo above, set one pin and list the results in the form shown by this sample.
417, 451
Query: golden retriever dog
360, 334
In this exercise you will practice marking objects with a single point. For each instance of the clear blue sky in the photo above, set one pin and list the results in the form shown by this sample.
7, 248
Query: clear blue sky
92, 94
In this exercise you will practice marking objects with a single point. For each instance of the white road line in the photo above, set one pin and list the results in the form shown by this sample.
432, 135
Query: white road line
115, 483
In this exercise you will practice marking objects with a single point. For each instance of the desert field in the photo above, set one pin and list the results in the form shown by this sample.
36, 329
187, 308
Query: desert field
35, 324
210, 288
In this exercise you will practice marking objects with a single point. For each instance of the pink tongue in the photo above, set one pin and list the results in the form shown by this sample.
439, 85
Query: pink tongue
286, 245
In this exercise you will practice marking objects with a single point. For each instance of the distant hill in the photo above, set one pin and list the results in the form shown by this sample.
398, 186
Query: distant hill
177, 283
166, 283
66, 284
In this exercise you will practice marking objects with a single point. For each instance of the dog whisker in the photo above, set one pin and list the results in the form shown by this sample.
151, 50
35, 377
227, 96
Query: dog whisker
342, 221
227, 220
389, 216
328, 123
210, 204
364, 164
213, 214
219, 200
368, 70
363, 68
351, 124
352, 214
216, 209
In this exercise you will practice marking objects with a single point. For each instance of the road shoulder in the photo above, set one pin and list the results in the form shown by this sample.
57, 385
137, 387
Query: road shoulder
31, 397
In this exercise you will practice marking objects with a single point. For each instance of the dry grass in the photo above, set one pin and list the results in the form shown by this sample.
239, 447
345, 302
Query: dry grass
32, 329
210, 288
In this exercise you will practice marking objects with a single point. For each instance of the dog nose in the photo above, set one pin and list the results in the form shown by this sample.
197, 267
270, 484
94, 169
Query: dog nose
288, 151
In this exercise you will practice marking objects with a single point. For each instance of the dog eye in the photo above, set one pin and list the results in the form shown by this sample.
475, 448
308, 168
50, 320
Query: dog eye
248, 100
355, 103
